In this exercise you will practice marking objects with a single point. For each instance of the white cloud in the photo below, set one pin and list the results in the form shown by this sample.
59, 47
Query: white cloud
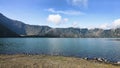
114, 24
105, 26
56, 19
51, 10
79, 3
65, 20
68, 12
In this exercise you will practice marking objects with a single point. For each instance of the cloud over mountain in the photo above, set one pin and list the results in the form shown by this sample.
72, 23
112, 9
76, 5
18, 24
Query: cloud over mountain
56, 19
115, 24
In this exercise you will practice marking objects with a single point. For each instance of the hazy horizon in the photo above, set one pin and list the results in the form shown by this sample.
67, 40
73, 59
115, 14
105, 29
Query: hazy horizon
64, 13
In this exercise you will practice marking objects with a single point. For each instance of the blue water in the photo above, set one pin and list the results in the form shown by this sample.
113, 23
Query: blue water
107, 48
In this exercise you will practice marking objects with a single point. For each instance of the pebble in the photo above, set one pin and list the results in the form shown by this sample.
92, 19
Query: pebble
100, 59
85, 58
118, 62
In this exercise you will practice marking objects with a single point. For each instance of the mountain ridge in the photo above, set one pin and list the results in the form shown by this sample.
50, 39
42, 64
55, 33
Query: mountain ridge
26, 30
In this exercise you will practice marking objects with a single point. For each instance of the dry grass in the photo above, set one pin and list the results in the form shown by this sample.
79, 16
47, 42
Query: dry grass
37, 61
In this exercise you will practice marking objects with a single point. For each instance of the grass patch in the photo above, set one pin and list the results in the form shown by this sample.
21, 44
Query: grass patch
44, 61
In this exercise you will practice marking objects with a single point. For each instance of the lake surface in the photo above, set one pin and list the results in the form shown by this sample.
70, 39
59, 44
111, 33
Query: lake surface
107, 48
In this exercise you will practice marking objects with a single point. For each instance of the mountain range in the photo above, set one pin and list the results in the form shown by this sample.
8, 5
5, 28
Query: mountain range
14, 28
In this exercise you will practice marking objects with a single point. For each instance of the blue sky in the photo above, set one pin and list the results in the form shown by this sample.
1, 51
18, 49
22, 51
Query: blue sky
64, 13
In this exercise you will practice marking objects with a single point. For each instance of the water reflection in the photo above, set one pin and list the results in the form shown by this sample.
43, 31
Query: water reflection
54, 46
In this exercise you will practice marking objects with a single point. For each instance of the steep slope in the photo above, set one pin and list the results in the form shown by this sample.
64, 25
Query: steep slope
13, 25
22, 28
64, 32
5, 32
35, 30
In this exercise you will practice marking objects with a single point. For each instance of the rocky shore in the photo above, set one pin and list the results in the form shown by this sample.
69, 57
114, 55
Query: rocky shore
44, 61
103, 60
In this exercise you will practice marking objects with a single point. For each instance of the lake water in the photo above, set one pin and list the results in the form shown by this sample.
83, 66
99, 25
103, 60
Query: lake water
107, 48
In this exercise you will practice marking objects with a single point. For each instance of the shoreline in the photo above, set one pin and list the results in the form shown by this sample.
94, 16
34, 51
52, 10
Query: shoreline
101, 60
45, 61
